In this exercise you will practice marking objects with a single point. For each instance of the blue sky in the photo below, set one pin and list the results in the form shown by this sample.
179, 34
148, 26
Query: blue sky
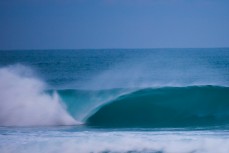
82, 24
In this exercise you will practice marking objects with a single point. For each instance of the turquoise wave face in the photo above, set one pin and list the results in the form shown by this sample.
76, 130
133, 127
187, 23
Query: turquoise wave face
82, 103
165, 107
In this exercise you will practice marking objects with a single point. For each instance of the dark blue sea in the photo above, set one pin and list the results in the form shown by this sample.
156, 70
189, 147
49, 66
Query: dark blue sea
114, 101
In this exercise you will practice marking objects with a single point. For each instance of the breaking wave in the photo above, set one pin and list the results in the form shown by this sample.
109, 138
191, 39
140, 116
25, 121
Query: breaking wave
26, 101
166, 107
23, 101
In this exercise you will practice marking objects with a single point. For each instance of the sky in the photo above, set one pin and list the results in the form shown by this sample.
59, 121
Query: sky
96, 24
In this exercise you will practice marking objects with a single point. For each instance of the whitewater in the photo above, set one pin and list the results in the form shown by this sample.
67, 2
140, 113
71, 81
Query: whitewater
115, 101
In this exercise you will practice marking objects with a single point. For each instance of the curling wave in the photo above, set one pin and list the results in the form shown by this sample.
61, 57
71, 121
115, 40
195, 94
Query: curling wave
25, 101
165, 107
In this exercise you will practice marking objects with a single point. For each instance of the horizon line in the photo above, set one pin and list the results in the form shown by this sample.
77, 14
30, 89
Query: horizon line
116, 48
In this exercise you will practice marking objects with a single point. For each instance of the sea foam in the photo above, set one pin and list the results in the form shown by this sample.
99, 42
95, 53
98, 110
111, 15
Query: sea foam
23, 101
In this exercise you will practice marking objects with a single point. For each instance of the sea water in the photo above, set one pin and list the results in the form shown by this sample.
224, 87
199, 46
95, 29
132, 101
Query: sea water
114, 101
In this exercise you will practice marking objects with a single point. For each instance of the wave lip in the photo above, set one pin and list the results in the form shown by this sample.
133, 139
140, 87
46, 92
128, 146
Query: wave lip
166, 107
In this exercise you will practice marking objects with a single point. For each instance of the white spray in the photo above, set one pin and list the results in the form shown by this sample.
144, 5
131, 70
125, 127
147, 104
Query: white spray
23, 101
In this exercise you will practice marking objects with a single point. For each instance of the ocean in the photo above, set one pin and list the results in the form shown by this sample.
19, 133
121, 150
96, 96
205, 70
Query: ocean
114, 101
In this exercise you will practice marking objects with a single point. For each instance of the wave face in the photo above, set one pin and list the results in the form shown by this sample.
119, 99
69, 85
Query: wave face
166, 107
82, 103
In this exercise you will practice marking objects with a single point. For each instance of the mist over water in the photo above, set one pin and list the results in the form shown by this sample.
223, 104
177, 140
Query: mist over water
23, 101
98, 69
165, 68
